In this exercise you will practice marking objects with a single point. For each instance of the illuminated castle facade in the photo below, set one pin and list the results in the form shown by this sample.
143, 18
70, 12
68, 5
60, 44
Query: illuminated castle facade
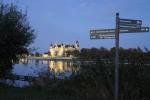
60, 50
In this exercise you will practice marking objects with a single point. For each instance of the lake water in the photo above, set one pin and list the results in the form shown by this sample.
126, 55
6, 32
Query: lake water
60, 69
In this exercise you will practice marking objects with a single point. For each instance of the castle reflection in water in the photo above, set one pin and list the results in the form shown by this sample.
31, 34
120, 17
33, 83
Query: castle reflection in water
57, 67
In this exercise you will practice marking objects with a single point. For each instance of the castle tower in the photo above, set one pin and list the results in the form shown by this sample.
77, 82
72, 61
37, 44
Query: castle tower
77, 45
51, 50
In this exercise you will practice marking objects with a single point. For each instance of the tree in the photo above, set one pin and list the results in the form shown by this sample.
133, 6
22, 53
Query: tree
15, 35
75, 53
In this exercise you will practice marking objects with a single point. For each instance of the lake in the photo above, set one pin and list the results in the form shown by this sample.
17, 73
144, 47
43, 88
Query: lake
61, 69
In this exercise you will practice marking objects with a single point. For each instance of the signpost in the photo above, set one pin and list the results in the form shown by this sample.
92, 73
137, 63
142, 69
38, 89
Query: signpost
122, 26
117, 58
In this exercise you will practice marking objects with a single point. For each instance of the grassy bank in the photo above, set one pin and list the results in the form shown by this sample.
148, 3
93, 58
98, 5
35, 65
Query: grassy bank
12, 93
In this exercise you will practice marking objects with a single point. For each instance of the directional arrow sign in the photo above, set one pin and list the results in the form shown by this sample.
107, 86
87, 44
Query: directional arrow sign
129, 26
129, 23
103, 31
110, 32
102, 34
99, 36
134, 30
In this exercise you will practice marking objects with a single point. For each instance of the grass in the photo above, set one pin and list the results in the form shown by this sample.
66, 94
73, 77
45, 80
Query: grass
29, 93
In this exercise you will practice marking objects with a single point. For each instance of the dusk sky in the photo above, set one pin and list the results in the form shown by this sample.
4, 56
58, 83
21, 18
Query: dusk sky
65, 21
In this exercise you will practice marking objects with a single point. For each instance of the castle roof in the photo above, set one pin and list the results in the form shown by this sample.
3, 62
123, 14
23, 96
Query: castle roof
66, 46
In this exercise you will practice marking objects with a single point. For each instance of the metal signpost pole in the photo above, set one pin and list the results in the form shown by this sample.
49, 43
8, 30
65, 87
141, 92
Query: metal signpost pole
117, 58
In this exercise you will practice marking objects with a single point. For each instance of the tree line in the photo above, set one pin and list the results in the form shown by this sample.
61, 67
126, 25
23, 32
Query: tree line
126, 55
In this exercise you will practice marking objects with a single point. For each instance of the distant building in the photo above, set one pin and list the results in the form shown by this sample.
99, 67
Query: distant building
60, 50
45, 55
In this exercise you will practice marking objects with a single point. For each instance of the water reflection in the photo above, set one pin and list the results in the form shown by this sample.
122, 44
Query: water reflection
60, 69
64, 68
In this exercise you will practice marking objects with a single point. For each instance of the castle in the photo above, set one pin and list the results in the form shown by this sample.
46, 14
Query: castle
60, 50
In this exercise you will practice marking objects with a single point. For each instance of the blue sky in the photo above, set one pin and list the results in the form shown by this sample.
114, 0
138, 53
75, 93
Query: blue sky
70, 20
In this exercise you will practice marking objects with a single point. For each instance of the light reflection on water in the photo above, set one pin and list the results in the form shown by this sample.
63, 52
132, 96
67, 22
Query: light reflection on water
60, 69
33, 67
